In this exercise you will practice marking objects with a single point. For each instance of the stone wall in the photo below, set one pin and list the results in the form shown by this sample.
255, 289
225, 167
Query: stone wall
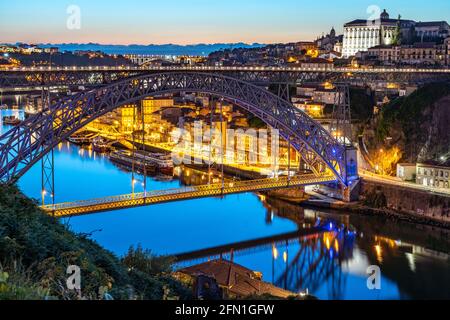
412, 202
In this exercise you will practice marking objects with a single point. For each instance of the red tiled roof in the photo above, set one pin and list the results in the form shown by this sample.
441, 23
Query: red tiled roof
237, 279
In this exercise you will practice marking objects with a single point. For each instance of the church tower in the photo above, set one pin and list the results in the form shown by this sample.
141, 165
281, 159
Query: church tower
384, 15
332, 33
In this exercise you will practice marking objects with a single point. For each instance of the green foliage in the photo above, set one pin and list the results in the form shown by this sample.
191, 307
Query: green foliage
47, 247
409, 112
17, 285
145, 261
362, 104
149, 274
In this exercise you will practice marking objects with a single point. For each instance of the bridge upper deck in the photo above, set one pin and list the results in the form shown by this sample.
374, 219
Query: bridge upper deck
28, 77
225, 69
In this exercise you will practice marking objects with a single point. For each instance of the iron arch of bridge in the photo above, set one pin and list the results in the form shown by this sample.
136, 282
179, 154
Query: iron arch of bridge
26, 144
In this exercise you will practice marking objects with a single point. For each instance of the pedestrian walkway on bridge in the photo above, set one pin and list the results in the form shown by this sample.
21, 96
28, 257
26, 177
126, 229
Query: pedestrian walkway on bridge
192, 192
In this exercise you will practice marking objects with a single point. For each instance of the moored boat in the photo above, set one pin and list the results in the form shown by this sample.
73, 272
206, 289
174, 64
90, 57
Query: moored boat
163, 162
82, 138
126, 158
101, 144
11, 120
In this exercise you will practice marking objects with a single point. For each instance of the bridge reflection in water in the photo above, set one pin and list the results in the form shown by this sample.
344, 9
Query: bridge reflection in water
303, 259
331, 263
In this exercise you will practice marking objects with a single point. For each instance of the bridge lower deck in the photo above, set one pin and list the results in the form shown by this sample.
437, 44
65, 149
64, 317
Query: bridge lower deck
193, 192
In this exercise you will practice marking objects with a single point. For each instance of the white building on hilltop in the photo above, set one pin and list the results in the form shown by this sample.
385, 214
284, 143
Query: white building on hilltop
360, 35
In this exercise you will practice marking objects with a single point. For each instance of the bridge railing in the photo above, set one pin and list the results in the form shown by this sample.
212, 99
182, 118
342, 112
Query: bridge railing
219, 68
227, 187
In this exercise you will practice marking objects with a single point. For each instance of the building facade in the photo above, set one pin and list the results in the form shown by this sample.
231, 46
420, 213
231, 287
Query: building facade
360, 35
447, 51
427, 53
431, 31
433, 176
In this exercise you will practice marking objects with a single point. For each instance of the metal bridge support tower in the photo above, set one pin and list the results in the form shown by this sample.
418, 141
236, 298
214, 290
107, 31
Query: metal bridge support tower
143, 133
213, 109
222, 146
341, 124
48, 161
284, 91
341, 129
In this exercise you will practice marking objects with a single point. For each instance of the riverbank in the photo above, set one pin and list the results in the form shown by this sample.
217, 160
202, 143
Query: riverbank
36, 250
362, 209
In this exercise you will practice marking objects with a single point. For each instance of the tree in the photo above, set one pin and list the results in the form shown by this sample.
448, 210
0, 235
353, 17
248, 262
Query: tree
398, 33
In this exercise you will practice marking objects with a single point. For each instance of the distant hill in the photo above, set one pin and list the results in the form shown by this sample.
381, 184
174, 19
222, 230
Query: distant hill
163, 49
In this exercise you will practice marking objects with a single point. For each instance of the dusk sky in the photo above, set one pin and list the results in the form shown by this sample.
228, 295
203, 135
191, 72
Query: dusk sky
194, 21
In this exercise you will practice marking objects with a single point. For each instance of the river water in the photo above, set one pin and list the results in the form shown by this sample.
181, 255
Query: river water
413, 260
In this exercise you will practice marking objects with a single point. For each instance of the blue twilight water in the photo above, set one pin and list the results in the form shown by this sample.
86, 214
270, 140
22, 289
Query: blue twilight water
414, 260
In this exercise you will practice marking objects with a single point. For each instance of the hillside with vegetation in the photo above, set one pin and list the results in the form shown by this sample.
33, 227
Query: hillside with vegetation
36, 249
413, 128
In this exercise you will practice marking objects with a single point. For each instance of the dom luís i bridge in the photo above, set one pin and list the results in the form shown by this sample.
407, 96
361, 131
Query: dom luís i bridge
326, 158
92, 76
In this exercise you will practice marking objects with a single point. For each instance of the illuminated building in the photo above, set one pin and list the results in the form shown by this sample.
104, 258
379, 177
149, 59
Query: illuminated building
447, 51
317, 63
152, 120
315, 110
418, 53
317, 94
329, 41
306, 46
433, 176
152, 105
406, 171
127, 115
360, 35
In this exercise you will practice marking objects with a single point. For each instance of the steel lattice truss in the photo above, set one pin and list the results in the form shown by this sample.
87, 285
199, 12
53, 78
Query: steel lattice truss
63, 78
95, 76
24, 145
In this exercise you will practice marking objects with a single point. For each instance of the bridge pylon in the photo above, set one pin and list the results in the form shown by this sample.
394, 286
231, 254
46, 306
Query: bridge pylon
48, 160
341, 124
284, 91
341, 129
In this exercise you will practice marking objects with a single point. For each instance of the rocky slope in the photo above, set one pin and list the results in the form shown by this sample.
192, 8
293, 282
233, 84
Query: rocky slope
417, 125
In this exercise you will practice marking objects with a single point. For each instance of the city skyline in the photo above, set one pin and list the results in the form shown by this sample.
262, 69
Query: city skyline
200, 21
